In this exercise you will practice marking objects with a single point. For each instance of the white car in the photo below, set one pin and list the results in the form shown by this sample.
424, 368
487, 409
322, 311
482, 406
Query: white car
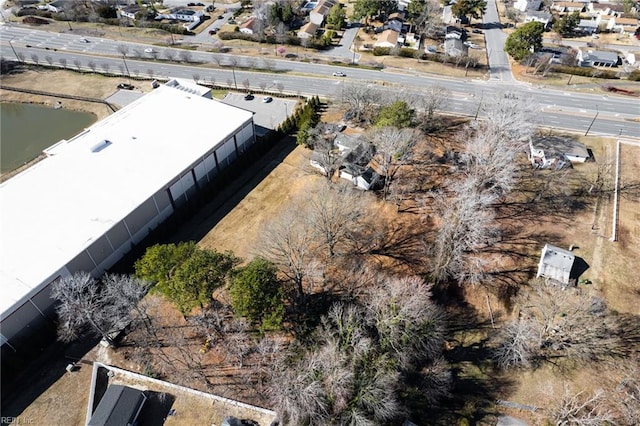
339, 74
149, 50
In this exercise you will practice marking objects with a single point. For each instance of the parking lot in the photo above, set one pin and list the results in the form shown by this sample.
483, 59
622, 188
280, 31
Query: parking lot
266, 114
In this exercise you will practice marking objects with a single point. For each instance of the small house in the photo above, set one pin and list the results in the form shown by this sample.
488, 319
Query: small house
455, 47
362, 177
556, 264
320, 12
556, 151
622, 25
588, 26
119, 406
308, 31
598, 58
544, 18
387, 38
527, 5
247, 26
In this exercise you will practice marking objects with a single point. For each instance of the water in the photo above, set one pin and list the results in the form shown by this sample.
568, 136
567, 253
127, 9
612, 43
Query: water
26, 129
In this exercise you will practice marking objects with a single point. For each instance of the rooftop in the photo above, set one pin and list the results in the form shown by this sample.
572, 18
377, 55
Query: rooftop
61, 205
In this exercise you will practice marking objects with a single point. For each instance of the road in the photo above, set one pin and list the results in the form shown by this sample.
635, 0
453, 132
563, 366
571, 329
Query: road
558, 108
499, 66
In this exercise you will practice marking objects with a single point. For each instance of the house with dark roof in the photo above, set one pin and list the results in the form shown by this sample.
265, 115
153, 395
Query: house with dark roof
598, 58
556, 264
119, 406
547, 151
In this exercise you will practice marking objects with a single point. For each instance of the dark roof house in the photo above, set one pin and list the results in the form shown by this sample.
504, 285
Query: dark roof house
119, 406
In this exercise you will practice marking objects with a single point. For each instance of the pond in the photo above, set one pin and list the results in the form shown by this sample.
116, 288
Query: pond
27, 129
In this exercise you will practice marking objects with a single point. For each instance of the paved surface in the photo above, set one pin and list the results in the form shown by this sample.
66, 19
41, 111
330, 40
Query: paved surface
499, 66
510, 421
267, 115
343, 50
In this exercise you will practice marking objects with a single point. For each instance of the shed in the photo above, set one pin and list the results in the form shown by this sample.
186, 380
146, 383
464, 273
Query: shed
556, 263
119, 406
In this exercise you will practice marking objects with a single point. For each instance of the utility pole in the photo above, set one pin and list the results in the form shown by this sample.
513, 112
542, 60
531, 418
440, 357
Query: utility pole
127, 68
592, 121
235, 83
14, 50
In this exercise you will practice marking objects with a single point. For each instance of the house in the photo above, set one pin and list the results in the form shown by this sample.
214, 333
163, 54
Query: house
622, 25
247, 26
119, 406
598, 58
129, 11
362, 177
546, 151
556, 264
308, 30
387, 38
633, 58
185, 15
102, 192
320, 12
545, 18
588, 26
455, 47
451, 31
527, 5
567, 7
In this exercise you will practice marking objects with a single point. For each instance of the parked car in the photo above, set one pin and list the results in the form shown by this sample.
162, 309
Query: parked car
213, 31
477, 31
149, 50
248, 97
125, 86
84, 40
220, 16
267, 99
339, 74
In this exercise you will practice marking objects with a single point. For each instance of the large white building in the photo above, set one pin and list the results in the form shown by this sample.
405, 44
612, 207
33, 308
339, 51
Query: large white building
85, 205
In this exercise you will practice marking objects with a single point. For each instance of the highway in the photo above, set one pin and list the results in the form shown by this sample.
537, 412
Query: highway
561, 109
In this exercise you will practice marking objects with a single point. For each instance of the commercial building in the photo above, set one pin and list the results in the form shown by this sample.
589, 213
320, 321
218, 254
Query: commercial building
101, 192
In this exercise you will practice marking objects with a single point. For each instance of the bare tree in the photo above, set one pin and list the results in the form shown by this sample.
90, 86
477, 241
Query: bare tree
510, 116
280, 87
49, 60
433, 98
334, 213
63, 62
246, 84
185, 56
393, 147
77, 63
289, 242
325, 152
170, 54
196, 77
83, 301
35, 58
361, 100
123, 49
581, 409
519, 343
92, 65
263, 85
105, 67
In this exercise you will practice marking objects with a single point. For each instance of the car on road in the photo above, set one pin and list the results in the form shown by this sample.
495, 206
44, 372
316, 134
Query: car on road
220, 16
149, 50
232, 21
125, 86
267, 99
248, 97
339, 74
213, 31
84, 40
476, 31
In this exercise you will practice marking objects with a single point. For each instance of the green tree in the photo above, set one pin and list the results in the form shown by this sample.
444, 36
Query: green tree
397, 114
185, 274
415, 9
302, 137
469, 8
566, 25
256, 293
336, 16
287, 12
368, 8
275, 14
525, 40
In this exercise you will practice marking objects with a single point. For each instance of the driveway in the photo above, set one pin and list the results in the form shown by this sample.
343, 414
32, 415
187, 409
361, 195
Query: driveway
343, 50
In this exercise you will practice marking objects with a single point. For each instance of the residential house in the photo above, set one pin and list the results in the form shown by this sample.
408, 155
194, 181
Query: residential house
320, 12
545, 18
594, 9
57, 6
556, 151
455, 47
588, 26
452, 31
527, 5
308, 30
412, 40
567, 7
598, 58
362, 177
403, 4
623, 25
556, 264
387, 38
120, 405
248, 25
129, 11
633, 58
186, 15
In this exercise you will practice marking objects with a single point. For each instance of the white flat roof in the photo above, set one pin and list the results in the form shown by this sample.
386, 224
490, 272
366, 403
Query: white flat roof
58, 207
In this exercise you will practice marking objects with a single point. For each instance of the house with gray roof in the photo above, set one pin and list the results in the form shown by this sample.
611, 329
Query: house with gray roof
598, 58
556, 264
119, 406
547, 151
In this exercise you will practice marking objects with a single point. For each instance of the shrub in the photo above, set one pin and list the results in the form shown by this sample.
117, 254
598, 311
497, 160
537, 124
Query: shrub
381, 51
634, 75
